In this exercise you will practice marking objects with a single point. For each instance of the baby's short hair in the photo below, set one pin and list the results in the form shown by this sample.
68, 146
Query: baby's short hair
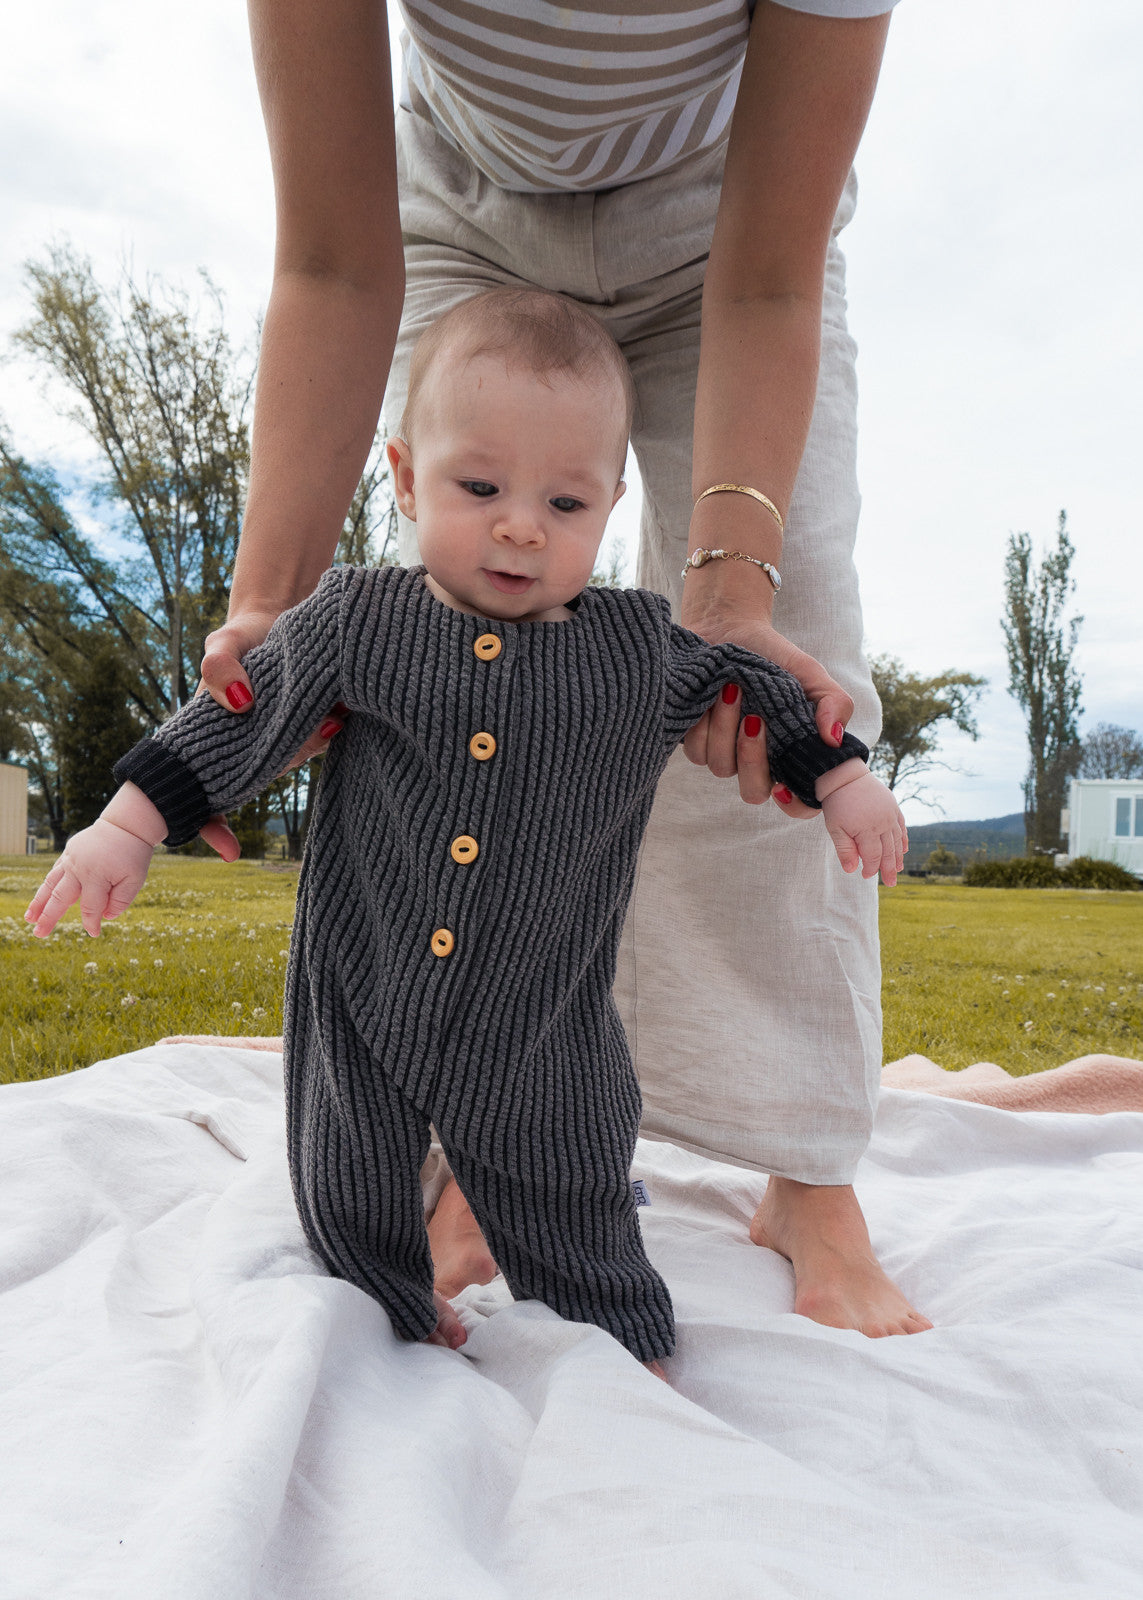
543, 332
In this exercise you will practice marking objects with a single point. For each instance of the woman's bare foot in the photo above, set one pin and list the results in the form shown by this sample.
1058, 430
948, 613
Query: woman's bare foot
460, 1252
450, 1330
838, 1280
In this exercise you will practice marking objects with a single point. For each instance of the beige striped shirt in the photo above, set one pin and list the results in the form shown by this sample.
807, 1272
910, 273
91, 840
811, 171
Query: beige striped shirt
544, 97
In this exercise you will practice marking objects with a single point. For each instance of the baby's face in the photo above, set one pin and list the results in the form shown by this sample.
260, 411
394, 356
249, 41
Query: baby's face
510, 481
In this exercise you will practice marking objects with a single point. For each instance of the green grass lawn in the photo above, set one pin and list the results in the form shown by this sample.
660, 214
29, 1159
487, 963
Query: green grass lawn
203, 950
1028, 978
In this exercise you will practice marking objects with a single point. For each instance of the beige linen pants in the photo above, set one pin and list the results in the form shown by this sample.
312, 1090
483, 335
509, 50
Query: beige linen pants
749, 974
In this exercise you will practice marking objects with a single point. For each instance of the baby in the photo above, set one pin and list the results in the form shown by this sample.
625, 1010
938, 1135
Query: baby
472, 847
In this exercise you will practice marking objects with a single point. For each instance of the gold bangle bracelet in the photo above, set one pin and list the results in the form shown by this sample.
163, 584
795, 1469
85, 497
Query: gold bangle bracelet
755, 494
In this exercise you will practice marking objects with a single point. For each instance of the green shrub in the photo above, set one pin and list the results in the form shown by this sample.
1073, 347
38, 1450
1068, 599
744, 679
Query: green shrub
1021, 872
1085, 872
943, 862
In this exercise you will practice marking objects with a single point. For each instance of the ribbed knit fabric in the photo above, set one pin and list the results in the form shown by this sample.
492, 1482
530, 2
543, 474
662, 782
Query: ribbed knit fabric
509, 1041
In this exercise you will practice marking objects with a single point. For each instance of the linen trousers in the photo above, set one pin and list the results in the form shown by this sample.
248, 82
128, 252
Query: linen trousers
749, 970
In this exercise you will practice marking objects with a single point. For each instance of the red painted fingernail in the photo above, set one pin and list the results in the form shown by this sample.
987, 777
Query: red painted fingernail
328, 728
838, 731
781, 794
752, 727
239, 695
729, 693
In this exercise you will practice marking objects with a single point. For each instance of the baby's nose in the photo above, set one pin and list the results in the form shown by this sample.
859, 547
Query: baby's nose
518, 525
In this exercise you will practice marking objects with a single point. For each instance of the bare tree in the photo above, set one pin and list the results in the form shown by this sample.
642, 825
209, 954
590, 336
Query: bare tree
1041, 643
1110, 751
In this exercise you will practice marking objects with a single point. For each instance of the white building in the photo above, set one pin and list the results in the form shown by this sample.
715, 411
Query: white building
1104, 818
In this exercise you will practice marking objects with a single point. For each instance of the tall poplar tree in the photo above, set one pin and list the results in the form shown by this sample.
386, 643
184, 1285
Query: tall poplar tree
1041, 641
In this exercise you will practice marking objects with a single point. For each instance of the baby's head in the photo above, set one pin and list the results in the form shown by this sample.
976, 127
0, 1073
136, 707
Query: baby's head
511, 451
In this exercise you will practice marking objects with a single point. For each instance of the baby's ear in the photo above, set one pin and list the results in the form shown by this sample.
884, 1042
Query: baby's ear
401, 465
620, 491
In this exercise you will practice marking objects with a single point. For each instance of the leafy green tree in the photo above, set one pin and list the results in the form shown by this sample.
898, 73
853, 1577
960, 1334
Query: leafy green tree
153, 378
914, 710
96, 726
1041, 642
1110, 751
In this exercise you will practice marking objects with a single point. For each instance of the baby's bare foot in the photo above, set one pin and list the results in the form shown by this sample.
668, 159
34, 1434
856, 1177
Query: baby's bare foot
838, 1281
460, 1253
658, 1369
450, 1330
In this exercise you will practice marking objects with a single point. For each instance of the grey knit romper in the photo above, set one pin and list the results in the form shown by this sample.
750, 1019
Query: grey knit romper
469, 862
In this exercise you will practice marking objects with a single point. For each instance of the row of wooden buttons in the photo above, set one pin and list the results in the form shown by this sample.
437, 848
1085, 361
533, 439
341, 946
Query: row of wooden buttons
481, 745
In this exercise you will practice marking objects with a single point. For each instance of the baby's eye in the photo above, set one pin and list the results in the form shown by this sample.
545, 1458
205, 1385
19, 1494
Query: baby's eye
477, 486
565, 502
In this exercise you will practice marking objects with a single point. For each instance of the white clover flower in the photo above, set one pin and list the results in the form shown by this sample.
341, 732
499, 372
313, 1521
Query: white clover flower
202, 972
1112, 1006
1123, 988
91, 966
1006, 993
1099, 988
236, 1005
1087, 1011
1028, 1027
129, 1000
284, 953
258, 1011
133, 962
1019, 978
1049, 996
158, 961
251, 934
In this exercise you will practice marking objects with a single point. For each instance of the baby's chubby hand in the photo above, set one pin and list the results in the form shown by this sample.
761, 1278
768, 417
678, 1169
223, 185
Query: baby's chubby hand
863, 820
103, 867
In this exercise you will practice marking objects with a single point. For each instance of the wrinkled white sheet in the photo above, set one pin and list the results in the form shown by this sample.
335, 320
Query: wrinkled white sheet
191, 1410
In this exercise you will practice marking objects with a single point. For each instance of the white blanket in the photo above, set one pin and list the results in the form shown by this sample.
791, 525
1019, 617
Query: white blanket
192, 1410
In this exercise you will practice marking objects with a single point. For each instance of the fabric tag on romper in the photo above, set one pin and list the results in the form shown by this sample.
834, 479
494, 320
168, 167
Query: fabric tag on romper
639, 1190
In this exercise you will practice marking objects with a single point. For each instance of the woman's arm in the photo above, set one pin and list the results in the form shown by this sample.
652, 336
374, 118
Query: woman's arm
807, 86
335, 306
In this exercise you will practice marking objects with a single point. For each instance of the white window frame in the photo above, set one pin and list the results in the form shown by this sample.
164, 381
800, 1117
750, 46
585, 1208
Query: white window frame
1134, 834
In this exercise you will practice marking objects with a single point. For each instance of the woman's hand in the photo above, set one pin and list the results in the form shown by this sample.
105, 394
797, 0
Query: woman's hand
224, 679
730, 744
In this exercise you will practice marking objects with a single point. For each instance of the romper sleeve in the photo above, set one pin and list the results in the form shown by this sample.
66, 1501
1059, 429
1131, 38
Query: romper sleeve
206, 760
798, 756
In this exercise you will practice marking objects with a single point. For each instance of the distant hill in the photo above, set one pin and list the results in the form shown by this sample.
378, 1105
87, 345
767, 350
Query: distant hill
993, 838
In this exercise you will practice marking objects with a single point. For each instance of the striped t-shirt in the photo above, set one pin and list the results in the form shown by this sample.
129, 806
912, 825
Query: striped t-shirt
543, 96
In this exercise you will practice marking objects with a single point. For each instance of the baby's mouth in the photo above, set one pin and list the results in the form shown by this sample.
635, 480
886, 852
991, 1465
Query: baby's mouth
509, 582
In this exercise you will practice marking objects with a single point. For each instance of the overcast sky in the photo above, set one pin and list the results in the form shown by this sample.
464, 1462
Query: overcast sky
994, 275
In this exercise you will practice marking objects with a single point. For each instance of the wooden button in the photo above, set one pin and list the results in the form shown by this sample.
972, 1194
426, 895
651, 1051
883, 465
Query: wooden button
442, 942
487, 647
464, 849
482, 745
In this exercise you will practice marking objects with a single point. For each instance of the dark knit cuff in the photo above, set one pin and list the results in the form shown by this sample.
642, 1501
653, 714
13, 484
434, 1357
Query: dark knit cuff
169, 784
801, 764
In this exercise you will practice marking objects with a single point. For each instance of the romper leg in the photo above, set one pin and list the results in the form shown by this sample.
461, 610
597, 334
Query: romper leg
356, 1146
542, 1152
